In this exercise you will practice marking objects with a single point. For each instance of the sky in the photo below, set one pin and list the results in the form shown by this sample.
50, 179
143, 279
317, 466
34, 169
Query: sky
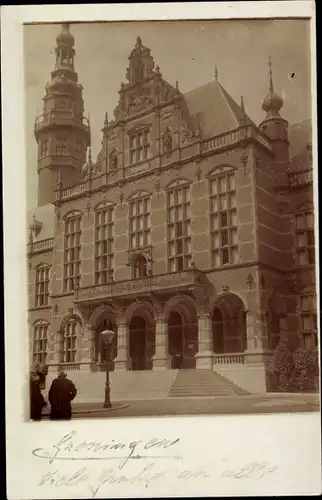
186, 51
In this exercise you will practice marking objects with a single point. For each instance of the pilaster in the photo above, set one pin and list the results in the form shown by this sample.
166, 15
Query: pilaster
161, 357
121, 361
204, 358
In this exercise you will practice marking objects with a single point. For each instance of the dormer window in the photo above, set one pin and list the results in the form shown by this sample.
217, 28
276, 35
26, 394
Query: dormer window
139, 146
140, 267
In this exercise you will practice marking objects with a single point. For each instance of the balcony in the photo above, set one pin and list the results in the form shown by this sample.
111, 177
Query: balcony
60, 118
41, 246
171, 282
301, 179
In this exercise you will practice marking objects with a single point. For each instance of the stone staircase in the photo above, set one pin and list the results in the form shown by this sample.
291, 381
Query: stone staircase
125, 385
198, 383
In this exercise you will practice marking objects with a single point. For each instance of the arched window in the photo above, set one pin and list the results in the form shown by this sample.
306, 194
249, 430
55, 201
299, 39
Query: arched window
40, 341
70, 341
223, 217
42, 285
140, 268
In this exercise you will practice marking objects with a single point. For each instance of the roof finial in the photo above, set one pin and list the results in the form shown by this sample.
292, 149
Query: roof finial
90, 157
271, 87
106, 119
216, 73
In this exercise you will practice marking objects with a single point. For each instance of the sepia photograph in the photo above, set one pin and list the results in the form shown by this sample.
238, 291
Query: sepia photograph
171, 219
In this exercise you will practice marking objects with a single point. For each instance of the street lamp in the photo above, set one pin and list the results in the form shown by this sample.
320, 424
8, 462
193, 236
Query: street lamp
107, 337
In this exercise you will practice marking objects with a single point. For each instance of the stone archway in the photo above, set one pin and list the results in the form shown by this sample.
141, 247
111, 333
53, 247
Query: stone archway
229, 330
103, 318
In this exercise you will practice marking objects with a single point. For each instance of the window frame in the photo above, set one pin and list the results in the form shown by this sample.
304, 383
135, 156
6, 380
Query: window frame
223, 254
104, 274
42, 281
69, 341
179, 240
308, 250
139, 145
73, 264
39, 355
140, 222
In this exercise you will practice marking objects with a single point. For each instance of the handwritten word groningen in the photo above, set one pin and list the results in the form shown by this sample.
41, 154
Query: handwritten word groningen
70, 448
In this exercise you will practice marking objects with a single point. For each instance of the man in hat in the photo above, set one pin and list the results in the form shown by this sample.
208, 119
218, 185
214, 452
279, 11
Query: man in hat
37, 401
60, 395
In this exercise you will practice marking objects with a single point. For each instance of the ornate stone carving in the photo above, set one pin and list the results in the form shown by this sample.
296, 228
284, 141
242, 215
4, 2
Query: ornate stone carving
113, 160
167, 141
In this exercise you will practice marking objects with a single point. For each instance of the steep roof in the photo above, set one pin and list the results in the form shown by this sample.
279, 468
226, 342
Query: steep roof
299, 135
218, 112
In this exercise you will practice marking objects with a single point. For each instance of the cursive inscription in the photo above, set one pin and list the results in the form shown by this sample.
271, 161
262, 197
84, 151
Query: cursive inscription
69, 447
251, 470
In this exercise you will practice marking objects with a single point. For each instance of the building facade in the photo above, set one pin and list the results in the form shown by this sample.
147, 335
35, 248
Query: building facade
191, 235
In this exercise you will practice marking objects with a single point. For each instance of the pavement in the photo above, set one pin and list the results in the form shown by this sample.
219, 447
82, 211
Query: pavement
254, 404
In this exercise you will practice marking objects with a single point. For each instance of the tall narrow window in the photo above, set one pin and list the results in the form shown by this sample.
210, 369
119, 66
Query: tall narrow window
223, 220
304, 238
70, 341
72, 252
44, 148
140, 222
104, 245
308, 313
139, 146
42, 286
179, 228
40, 340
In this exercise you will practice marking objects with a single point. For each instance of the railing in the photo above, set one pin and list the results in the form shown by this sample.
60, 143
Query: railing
229, 359
223, 140
75, 190
69, 366
60, 118
41, 246
179, 280
299, 179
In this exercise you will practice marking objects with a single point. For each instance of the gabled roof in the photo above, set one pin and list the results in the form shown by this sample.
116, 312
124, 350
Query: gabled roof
218, 112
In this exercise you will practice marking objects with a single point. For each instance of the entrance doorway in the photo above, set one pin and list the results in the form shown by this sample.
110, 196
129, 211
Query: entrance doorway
141, 344
182, 338
218, 331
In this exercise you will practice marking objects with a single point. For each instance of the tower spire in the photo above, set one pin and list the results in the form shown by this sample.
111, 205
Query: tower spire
271, 86
216, 73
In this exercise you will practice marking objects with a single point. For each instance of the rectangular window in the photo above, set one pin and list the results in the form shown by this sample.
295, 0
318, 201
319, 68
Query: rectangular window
43, 148
70, 339
61, 146
139, 146
223, 220
104, 245
140, 223
72, 252
308, 312
42, 286
304, 239
179, 228
40, 340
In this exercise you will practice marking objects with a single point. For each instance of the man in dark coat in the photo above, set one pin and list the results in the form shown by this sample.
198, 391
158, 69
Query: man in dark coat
37, 401
61, 393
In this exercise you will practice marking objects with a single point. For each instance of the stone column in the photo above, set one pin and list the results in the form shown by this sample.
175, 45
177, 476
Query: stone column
161, 357
121, 361
204, 357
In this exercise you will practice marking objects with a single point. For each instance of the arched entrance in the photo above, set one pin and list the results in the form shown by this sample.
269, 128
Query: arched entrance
141, 343
100, 349
183, 341
229, 325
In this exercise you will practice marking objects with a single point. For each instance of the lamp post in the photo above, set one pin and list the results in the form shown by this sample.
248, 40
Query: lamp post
107, 337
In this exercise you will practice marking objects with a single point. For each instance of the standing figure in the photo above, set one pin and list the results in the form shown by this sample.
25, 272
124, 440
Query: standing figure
61, 393
37, 401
